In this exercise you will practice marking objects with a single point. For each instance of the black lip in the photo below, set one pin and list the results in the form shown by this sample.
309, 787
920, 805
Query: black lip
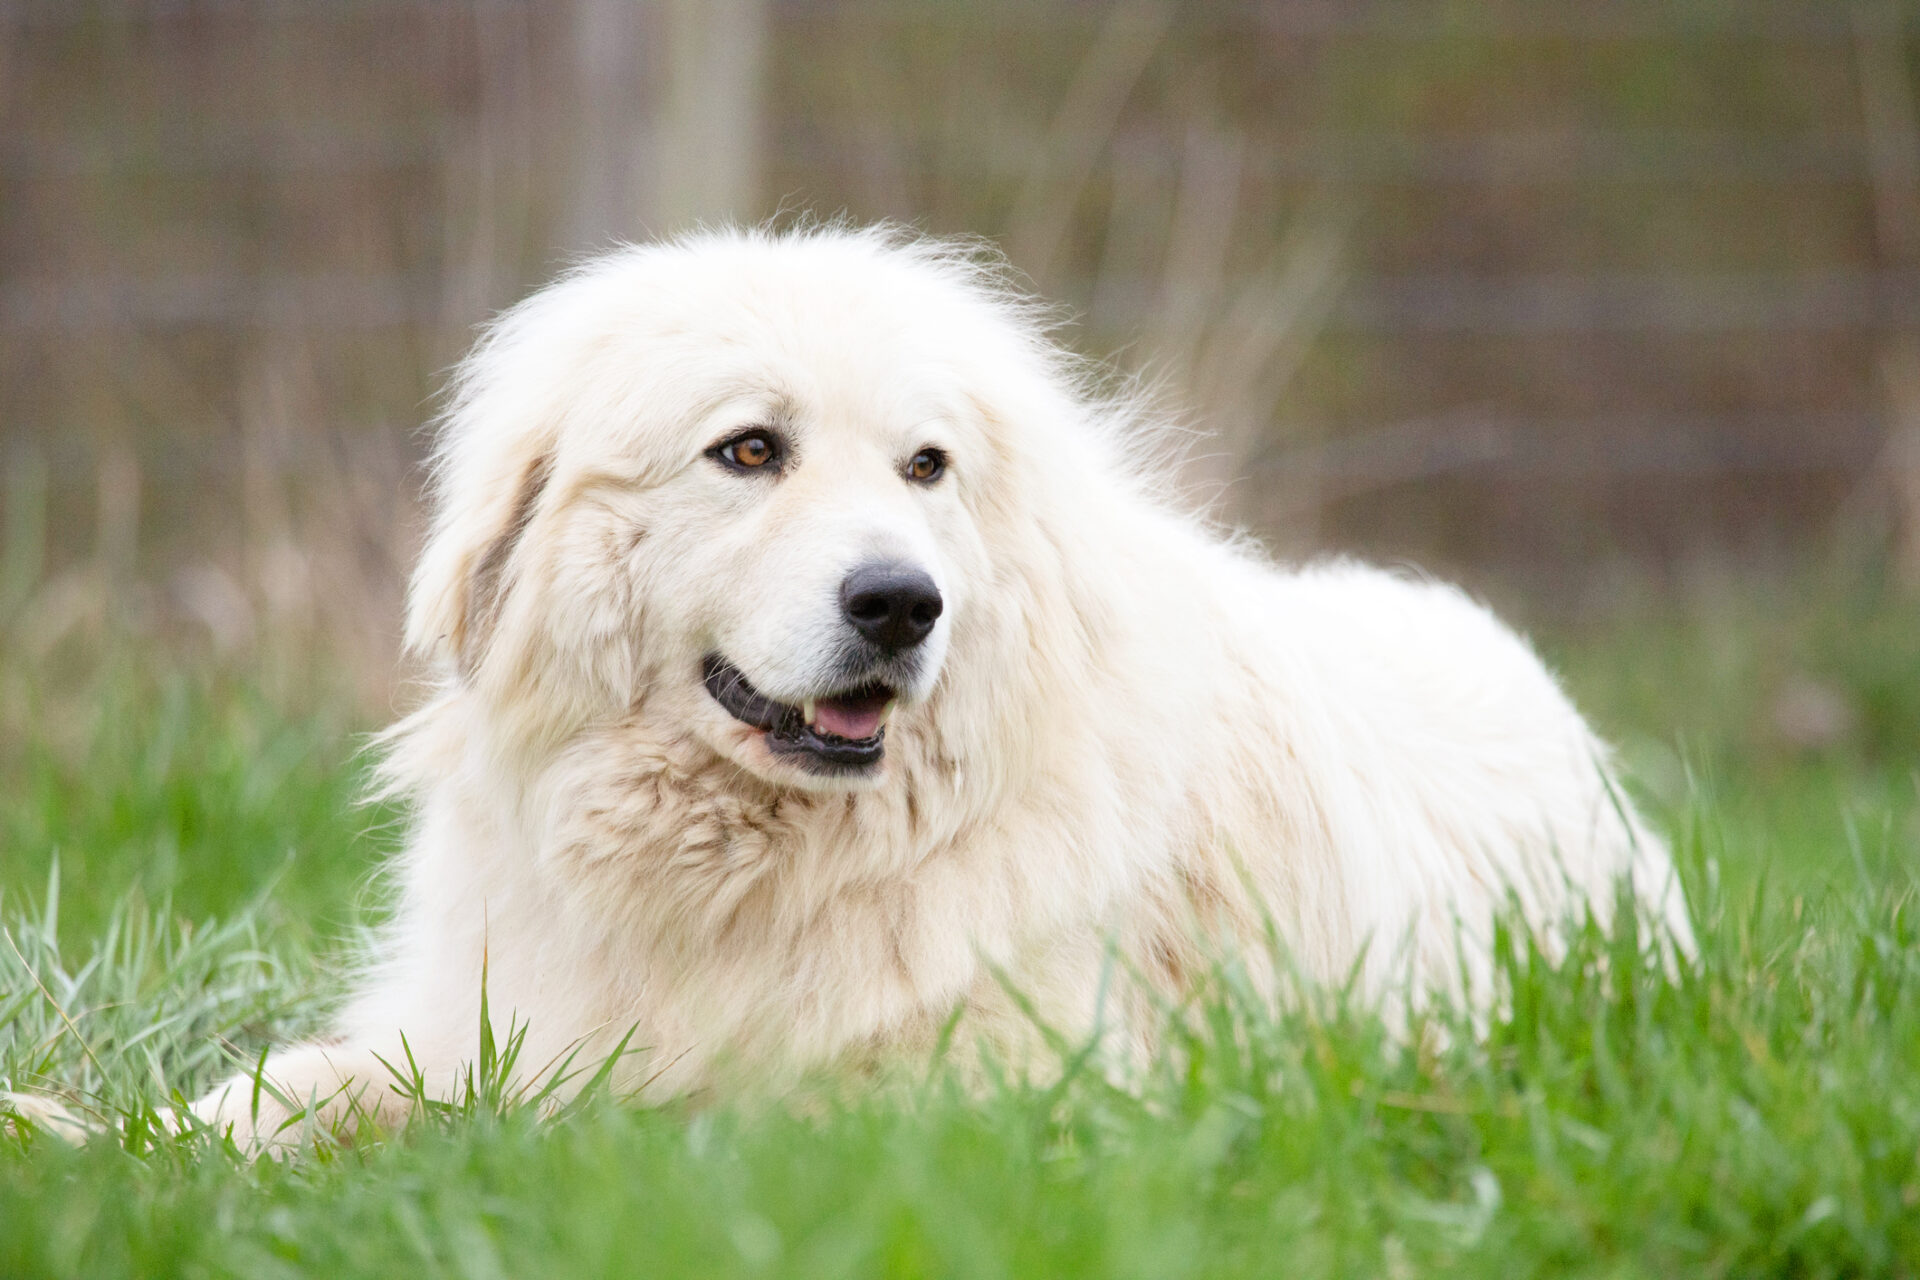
787, 730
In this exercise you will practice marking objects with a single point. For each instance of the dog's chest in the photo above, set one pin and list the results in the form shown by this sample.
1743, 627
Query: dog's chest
654, 833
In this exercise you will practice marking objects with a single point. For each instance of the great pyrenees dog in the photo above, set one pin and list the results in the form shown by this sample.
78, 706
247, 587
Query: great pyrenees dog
821, 661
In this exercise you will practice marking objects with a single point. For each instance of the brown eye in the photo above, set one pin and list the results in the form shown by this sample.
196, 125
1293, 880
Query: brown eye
754, 451
927, 465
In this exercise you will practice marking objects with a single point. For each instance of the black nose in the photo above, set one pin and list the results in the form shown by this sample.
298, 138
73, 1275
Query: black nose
893, 605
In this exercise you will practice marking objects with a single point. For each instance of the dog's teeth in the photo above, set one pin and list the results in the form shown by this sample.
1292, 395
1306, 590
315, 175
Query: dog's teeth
886, 712
806, 710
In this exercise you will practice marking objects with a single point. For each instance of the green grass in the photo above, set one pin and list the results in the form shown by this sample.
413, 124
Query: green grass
1756, 1113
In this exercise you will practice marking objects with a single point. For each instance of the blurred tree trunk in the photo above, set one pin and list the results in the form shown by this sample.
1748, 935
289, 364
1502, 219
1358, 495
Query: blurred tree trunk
1893, 150
708, 162
667, 116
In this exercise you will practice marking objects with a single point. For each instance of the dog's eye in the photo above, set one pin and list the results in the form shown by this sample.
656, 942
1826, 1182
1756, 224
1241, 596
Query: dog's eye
750, 451
754, 451
927, 466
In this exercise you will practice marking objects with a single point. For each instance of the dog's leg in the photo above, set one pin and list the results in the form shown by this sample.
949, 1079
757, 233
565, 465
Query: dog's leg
303, 1092
46, 1115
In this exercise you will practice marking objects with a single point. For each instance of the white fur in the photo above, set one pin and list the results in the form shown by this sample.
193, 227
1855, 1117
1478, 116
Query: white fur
1128, 732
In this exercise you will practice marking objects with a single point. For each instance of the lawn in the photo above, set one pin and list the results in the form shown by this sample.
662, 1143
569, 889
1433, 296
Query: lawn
183, 862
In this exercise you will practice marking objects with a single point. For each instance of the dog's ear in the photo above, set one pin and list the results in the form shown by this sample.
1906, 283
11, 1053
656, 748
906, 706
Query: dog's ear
466, 571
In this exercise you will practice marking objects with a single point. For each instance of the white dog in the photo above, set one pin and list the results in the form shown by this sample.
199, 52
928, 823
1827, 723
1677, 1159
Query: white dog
817, 661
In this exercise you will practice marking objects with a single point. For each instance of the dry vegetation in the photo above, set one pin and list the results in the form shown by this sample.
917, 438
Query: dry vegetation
1520, 290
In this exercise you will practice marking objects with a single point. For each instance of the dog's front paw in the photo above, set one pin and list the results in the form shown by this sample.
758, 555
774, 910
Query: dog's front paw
49, 1115
308, 1094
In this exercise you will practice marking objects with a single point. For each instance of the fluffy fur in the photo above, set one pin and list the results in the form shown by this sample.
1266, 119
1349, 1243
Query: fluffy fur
1125, 732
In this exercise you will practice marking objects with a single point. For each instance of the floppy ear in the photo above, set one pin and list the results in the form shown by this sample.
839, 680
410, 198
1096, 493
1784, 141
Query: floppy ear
484, 506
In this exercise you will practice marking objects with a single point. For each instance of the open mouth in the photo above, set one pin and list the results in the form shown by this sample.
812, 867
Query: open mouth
845, 730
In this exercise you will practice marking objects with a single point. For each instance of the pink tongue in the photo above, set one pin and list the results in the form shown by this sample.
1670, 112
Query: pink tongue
851, 718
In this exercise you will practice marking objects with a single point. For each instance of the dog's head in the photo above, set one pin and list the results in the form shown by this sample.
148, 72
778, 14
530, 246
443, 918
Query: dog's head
745, 485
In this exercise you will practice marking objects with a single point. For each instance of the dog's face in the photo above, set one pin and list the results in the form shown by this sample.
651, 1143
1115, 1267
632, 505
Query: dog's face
734, 488
803, 568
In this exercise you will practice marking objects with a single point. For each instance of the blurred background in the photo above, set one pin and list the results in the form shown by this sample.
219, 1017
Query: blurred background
1585, 301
